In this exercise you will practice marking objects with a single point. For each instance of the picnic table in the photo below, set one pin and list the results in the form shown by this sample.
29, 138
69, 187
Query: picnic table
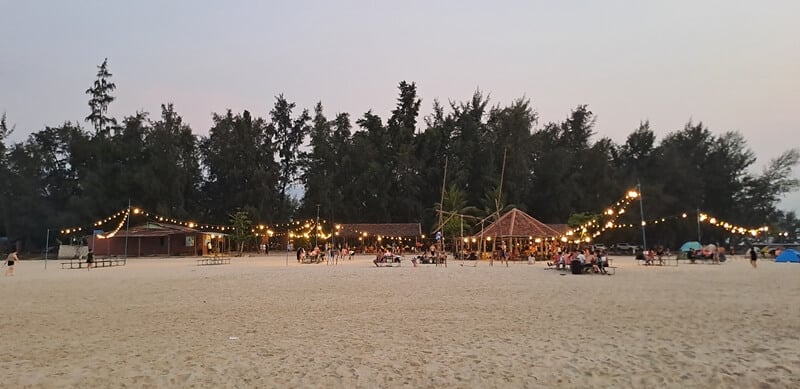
213, 261
311, 258
100, 262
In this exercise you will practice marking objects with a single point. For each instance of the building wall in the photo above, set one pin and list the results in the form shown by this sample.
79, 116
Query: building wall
149, 246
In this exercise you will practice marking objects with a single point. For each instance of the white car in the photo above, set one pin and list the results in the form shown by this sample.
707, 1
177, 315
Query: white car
599, 247
626, 247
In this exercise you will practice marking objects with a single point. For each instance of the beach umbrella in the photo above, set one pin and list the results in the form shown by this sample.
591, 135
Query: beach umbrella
688, 246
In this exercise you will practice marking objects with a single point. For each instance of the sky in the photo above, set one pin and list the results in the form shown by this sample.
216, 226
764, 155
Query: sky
733, 65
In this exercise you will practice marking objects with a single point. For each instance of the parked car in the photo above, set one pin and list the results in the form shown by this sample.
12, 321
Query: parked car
626, 247
599, 247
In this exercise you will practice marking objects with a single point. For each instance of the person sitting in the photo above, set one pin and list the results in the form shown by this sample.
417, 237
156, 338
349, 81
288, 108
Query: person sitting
660, 254
379, 258
649, 257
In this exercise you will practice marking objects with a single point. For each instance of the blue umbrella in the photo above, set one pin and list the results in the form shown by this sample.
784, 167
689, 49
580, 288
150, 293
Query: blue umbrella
688, 246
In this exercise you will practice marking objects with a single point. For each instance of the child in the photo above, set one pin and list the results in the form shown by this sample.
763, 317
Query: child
11, 259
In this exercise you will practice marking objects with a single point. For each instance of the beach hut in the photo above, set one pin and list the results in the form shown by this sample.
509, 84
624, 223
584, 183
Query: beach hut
517, 229
788, 255
151, 239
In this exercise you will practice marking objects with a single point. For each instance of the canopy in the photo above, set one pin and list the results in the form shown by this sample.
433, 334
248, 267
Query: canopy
518, 224
688, 246
788, 255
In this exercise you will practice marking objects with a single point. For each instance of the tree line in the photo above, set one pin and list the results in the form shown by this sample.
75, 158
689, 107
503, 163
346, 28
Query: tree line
289, 163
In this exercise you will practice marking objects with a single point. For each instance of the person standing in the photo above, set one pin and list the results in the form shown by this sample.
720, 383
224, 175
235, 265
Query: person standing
753, 257
89, 260
11, 260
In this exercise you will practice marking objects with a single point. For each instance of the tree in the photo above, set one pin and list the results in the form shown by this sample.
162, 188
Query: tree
241, 172
398, 155
319, 165
100, 93
5, 174
242, 228
170, 152
289, 134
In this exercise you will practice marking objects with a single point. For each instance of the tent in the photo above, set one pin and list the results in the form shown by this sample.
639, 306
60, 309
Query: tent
691, 246
788, 255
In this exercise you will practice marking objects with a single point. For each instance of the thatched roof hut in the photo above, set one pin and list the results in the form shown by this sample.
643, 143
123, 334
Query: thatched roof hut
518, 224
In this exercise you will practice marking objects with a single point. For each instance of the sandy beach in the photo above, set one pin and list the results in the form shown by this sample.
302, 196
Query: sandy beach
165, 322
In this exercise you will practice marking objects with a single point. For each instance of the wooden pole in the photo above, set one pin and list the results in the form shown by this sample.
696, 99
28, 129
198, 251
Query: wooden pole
441, 207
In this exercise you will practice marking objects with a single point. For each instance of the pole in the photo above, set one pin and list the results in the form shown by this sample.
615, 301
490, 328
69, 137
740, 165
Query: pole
641, 213
46, 248
287, 247
127, 228
698, 225
316, 228
461, 241
441, 208
500, 188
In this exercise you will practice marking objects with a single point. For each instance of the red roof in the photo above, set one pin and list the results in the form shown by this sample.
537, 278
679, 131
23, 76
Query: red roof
516, 223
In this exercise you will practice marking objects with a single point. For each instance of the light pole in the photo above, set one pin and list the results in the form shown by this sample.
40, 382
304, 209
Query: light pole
641, 213
316, 228
698, 225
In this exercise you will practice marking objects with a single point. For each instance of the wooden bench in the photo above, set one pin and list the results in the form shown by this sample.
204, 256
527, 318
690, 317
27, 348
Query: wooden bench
388, 261
103, 262
213, 261
310, 258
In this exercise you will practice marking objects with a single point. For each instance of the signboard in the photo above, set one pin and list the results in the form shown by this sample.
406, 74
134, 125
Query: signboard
190, 241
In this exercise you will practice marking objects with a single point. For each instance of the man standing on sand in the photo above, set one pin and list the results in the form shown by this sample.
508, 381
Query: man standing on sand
753, 256
89, 260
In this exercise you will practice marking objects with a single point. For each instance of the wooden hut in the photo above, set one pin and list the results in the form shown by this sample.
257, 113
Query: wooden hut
518, 230
155, 239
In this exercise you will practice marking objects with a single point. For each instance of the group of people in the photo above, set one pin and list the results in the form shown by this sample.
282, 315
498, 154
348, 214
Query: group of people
388, 255
331, 254
582, 261
651, 256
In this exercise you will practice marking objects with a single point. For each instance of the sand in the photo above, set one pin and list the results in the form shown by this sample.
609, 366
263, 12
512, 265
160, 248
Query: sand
258, 323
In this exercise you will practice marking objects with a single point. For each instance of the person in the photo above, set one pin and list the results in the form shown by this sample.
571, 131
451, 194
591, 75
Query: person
602, 262
300, 254
11, 259
753, 256
660, 254
89, 260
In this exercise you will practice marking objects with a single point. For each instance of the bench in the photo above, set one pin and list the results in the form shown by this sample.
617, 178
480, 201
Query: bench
102, 262
310, 258
213, 261
388, 261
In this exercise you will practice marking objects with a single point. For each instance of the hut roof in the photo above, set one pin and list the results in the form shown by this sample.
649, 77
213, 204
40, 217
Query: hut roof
153, 229
386, 229
516, 223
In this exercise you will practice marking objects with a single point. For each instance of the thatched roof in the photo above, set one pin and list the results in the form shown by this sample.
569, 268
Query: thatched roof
516, 223
386, 229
